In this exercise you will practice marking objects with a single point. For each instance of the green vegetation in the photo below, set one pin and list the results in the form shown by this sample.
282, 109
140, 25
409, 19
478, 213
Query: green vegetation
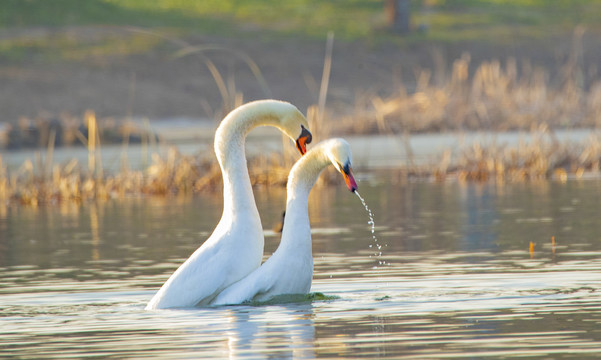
71, 47
461, 19
440, 21
500, 20
308, 17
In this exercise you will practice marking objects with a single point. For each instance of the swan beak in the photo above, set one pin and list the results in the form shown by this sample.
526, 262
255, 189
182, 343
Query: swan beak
304, 139
347, 173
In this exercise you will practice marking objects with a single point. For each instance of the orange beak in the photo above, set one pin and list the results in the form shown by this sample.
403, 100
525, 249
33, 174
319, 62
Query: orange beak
304, 139
349, 179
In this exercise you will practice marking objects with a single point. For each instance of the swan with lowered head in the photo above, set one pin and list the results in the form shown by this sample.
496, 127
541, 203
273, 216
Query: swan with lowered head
235, 248
290, 269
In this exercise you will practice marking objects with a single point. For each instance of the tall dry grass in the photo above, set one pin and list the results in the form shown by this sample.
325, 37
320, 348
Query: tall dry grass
69, 130
174, 174
544, 157
494, 98
492, 95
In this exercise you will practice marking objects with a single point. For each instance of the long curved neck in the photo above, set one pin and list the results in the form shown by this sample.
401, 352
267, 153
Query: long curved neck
296, 234
229, 148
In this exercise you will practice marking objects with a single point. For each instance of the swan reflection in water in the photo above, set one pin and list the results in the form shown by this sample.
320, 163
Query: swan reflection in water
287, 330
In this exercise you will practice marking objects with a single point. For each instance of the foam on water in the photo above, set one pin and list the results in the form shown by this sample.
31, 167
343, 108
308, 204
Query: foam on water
378, 247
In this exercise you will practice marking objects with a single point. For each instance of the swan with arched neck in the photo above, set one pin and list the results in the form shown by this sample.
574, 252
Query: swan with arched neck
290, 269
235, 248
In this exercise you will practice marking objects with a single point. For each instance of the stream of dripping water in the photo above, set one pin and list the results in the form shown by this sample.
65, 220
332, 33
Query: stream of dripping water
376, 245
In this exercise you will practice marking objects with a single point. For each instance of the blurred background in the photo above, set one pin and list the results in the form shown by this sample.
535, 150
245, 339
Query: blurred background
360, 66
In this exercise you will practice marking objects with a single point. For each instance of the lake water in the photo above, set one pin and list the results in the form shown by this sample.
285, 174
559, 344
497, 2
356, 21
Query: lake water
458, 279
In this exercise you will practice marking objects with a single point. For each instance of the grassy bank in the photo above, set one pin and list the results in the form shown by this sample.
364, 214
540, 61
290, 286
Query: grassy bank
456, 20
495, 96
492, 96
119, 56
433, 21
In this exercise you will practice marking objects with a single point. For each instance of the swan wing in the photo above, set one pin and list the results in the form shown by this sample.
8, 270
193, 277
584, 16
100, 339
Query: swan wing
256, 283
193, 281
279, 275
207, 271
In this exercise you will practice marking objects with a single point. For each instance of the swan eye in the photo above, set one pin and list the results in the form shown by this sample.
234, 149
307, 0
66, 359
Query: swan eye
347, 168
304, 139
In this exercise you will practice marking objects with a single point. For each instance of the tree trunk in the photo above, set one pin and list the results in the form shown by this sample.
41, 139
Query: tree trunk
398, 15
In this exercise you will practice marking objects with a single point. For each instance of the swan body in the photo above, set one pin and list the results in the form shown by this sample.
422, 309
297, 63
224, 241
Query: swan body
235, 248
290, 269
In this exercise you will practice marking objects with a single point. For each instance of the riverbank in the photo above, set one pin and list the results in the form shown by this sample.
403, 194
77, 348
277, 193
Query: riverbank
161, 169
171, 65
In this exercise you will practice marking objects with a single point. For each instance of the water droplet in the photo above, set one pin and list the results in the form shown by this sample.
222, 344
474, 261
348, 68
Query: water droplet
373, 231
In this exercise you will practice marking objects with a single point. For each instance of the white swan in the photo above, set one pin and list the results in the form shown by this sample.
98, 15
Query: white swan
290, 269
236, 246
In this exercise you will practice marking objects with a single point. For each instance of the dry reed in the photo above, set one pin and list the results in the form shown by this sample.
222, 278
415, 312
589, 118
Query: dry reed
178, 174
174, 174
68, 130
494, 97
542, 158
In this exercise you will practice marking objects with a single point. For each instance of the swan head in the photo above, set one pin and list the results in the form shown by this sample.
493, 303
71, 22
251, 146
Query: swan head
269, 112
339, 153
295, 125
303, 139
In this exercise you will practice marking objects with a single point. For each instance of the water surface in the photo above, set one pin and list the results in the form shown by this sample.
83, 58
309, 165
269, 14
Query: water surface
459, 279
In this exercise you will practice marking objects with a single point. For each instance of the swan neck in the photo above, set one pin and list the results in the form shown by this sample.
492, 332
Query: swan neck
305, 173
231, 133
229, 149
296, 234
